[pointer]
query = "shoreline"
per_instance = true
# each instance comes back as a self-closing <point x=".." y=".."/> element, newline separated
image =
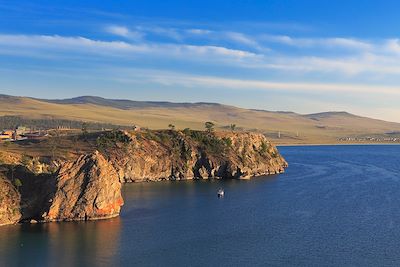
<point x="339" y="144"/>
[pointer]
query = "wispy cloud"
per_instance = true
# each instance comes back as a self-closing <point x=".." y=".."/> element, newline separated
<point x="134" y="76"/>
<point x="124" y="32"/>
<point x="268" y="26"/>
<point x="199" y="31"/>
<point x="366" y="59"/>
<point x="172" y="33"/>
<point x="181" y="35"/>
<point x="57" y="44"/>
<point x="335" y="42"/>
<point x="188" y="80"/>
<point x="255" y="42"/>
<point x="241" y="38"/>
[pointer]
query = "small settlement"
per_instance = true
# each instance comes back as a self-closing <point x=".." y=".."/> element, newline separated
<point x="21" y="133"/>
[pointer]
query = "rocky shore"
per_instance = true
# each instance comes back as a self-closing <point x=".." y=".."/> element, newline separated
<point x="88" y="186"/>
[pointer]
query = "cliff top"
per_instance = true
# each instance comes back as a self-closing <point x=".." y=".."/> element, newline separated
<point x="71" y="146"/>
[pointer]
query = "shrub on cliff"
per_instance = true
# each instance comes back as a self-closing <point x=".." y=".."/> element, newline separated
<point x="111" y="139"/>
<point x="228" y="141"/>
<point x="26" y="160"/>
<point x="209" y="142"/>
<point x="274" y="154"/>
<point x="209" y="126"/>
<point x="17" y="183"/>
<point x="186" y="131"/>
<point x="263" y="148"/>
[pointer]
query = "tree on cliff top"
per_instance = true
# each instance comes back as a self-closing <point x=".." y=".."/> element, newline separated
<point x="209" y="126"/>
<point x="84" y="130"/>
<point x="171" y="126"/>
<point x="186" y="131"/>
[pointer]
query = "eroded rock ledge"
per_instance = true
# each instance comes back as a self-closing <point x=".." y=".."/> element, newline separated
<point x="89" y="187"/>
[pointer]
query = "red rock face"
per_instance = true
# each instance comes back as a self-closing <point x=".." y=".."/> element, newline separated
<point x="86" y="189"/>
<point x="9" y="203"/>
<point x="152" y="159"/>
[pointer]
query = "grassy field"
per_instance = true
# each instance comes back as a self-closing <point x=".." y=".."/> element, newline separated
<point x="291" y="127"/>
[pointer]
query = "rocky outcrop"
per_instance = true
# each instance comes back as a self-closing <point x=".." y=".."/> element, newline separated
<point x="89" y="186"/>
<point x="196" y="155"/>
<point x="86" y="189"/>
<point x="9" y="203"/>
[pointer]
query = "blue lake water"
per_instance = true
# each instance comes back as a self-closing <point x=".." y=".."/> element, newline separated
<point x="334" y="206"/>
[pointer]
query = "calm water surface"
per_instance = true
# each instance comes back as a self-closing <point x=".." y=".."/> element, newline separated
<point x="334" y="206"/>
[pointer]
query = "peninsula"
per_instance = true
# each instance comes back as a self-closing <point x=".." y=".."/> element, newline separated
<point x="79" y="177"/>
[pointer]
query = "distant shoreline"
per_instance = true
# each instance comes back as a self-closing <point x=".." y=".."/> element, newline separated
<point x="340" y="144"/>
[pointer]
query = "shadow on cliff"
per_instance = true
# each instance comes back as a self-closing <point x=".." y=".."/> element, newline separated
<point x="36" y="190"/>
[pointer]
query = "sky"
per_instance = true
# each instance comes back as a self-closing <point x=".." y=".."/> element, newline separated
<point x="304" y="56"/>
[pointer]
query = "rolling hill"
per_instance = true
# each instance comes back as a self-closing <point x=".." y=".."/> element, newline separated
<point x="292" y="128"/>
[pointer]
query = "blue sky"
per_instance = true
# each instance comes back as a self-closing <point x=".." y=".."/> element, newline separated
<point x="304" y="56"/>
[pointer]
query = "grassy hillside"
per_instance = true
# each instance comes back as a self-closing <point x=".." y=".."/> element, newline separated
<point x="294" y="128"/>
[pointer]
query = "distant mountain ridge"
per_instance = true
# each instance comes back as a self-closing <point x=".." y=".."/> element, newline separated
<point x="123" y="103"/>
<point x="127" y="104"/>
<point x="280" y="126"/>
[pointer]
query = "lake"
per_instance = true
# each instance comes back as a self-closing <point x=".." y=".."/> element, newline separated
<point x="334" y="206"/>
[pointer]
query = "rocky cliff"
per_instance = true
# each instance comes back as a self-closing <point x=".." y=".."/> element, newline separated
<point x="9" y="203"/>
<point x="88" y="187"/>
<point x="195" y="155"/>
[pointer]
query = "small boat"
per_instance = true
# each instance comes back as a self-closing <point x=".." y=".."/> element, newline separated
<point x="220" y="193"/>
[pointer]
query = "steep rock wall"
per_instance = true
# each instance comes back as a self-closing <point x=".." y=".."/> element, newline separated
<point x="9" y="203"/>
<point x="86" y="189"/>
<point x="175" y="156"/>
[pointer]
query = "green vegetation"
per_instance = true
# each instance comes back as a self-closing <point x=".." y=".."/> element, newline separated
<point x="17" y="182"/>
<point x="232" y="127"/>
<point x="186" y="131"/>
<point x="227" y="141"/>
<point x="263" y="148"/>
<point x="209" y="126"/>
<point x="162" y="137"/>
<point x="111" y="139"/>
<point x="171" y="126"/>
<point x="206" y="141"/>
<point x="209" y="142"/>
<point x="274" y="154"/>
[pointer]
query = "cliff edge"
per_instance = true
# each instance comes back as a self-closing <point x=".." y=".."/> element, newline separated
<point x="174" y="155"/>
<point x="88" y="186"/>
